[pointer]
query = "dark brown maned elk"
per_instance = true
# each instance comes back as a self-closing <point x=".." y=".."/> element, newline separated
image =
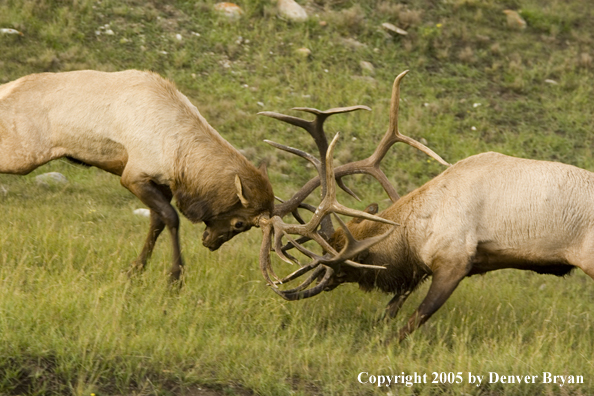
<point x="487" y="212"/>
<point x="135" y="125"/>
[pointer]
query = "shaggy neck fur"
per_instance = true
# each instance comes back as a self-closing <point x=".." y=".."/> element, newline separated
<point x="404" y="269"/>
<point x="204" y="184"/>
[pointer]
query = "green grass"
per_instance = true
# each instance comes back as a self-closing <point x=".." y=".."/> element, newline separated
<point x="72" y="323"/>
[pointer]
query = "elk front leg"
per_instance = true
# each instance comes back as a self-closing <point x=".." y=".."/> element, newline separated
<point x="157" y="198"/>
<point x="395" y="304"/>
<point x="445" y="280"/>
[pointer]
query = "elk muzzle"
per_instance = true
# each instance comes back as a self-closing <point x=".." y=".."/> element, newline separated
<point x="213" y="240"/>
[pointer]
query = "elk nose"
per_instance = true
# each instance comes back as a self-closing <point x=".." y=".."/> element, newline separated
<point x="205" y="235"/>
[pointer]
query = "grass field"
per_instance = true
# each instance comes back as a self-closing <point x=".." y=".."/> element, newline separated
<point x="72" y="323"/>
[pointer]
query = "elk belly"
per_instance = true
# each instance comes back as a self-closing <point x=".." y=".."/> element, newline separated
<point x="490" y="256"/>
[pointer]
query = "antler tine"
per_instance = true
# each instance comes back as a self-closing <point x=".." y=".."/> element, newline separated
<point x="265" y="265"/>
<point x="316" y="129"/>
<point x="330" y="204"/>
<point x="346" y="189"/>
<point x="336" y="110"/>
<point x="300" y="122"/>
<point x="309" y="292"/>
<point x="393" y="135"/>
<point x="353" y="247"/>
<point x="317" y="271"/>
<point x="303" y="154"/>
<point x="303" y="270"/>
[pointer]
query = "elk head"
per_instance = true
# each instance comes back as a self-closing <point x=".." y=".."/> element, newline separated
<point x="327" y="266"/>
<point x="253" y="196"/>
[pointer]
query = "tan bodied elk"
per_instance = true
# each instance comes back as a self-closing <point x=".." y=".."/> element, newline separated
<point x="487" y="212"/>
<point x="136" y="125"/>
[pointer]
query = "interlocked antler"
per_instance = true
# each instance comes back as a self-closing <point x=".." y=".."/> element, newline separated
<point x="325" y="266"/>
<point x="330" y="261"/>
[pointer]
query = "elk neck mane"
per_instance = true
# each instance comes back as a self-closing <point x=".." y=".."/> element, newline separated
<point x="404" y="269"/>
<point x="205" y="170"/>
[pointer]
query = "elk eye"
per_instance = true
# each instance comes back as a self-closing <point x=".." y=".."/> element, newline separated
<point x="238" y="225"/>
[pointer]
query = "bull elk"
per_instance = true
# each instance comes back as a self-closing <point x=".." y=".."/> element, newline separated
<point x="487" y="212"/>
<point x="136" y="125"/>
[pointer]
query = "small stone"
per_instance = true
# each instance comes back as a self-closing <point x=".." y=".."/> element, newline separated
<point x="367" y="68"/>
<point x="229" y="10"/>
<point x="392" y="29"/>
<point x="291" y="10"/>
<point x="10" y="31"/>
<point x="366" y="79"/>
<point x="142" y="212"/>
<point x="303" y="52"/>
<point x="352" y="43"/>
<point x="51" y="179"/>
<point x="514" y="20"/>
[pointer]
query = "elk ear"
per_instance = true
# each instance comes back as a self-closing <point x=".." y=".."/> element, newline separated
<point x="371" y="209"/>
<point x="243" y="200"/>
<point x="263" y="168"/>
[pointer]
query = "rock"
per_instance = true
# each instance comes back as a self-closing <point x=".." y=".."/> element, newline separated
<point x="392" y="29"/>
<point x="352" y="43"/>
<point x="366" y="79"/>
<point x="367" y="68"/>
<point x="51" y="179"/>
<point x="303" y="52"/>
<point x="10" y="31"/>
<point x="514" y="20"/>
<point x="229" y="10"/>
<point x="290" y="10"/>
<point x="142" y="212"/>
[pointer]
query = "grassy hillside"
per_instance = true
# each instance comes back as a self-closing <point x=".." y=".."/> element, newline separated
<point x="72" y="323"/>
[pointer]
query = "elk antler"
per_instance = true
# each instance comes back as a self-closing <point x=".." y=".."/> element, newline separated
<point x="332" y="260"/>
<point x="325" y="266"/>
<point x="369" y="165"/>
